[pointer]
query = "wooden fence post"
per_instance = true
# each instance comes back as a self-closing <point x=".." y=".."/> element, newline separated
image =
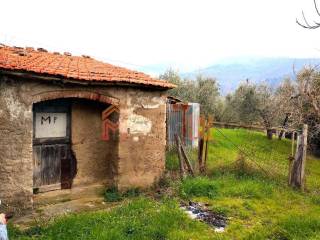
<point x="304" y="156"/>
<point x="297" y="178"/>
<point x="200" y="152"/>
<point x="291" y="158"/>
<point x="186" y="159"/>
<point x="204" y="144"/>
<point x="207" y="134"/>
<point x="181" y="164"/>
<point x="201" y="147"/>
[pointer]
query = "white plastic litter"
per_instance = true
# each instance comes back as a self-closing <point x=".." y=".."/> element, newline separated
<point x="219" y="230"/>
<point x="200" y="212"/>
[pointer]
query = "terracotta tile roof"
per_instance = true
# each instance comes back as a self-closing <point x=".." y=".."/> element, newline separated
<point x="65" y="65"/>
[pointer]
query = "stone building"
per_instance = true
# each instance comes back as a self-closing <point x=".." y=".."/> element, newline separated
<point x="68" y="121"/>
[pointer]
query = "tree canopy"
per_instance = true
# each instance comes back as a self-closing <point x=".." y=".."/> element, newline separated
<point x="292" y="103"/>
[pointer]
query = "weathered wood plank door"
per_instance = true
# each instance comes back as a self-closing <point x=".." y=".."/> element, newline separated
<point x="51" y="143"/>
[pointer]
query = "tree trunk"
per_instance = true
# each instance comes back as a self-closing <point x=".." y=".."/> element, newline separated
<point x="269" y="134"/>
<point x="284" y="125"/>
<point x="282" y="134"/>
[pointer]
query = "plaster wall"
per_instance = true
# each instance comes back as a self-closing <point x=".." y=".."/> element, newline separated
<point x="95" y="158"/>
<point x="135" y="159"/>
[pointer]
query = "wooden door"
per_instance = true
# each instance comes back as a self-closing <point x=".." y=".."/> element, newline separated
<point x="51" y="144"/>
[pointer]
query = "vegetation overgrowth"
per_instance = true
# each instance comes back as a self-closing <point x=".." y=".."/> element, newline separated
<point x="258" y="205"/>
<point x="288" y="104"/>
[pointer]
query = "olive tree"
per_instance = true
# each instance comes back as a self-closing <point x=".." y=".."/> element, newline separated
<point x="203" y="90"/>
<point x="252" y="103"/>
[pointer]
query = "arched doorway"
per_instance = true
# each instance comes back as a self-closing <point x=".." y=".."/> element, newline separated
<point x="68" y="142"/>
<point x="53" y="163"/>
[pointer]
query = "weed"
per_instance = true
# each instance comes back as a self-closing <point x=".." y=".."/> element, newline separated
<point x="132" y="192"/>
<point x="172" y="162"/>
<point x="138" y="219"/>
<point x="196" y="187"/>
<point x="315" y="199"/>
<point x="112" y="195"/>
<point x="301" y="226"/>
<point x="259" y="207"/>
<point x="164" y="182"/>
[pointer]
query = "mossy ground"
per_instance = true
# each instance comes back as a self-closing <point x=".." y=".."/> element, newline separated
<point x="258" y="203"/>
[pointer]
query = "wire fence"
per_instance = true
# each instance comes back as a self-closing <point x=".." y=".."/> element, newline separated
<point x="269" y="157"/>
<point x="250" y="152"/>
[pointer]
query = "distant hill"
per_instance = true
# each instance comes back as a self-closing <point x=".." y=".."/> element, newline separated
<point x="231" y="72"/>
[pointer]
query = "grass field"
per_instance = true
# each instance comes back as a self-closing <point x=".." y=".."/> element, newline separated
<point x="257" y="202"/>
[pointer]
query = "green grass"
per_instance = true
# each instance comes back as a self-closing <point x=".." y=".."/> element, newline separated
<point x="226" y="144"/>
<point x="138" y="219"/>
<point x="261" y="205"/>
<point x="258" y="203"/>
<point x="172" y="163"/>
<point x="258" y="207"/>
<point x="272" y="156"/>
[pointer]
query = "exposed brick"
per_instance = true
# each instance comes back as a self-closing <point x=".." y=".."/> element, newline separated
<point x="75" y="94"/>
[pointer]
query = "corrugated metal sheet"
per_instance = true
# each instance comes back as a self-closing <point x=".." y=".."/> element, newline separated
<point x="183" y="120"/>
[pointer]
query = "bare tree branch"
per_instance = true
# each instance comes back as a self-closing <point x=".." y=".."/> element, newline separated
<point x="316" y="7"/>
<point x="305" y="23"/>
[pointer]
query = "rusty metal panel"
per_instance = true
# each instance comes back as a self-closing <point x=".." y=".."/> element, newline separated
<point x="183" y="120"/>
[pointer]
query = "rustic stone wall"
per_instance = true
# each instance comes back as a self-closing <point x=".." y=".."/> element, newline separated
<point x="95" y="158"/>
<point x="142" y="139"/>
<point x="16" y="176"/>
<point x="137" y="160"/>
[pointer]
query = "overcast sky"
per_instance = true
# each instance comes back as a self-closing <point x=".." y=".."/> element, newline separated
<point x="186" y="35"/>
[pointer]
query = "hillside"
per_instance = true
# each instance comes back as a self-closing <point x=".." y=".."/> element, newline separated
<point x="231" y="72"/>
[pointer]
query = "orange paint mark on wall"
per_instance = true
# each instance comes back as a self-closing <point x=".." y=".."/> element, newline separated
<point x="110" y="122"/>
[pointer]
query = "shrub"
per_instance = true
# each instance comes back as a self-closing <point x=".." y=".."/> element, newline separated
<point x="133" y="192"/>
<point x="112" y="195"/>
